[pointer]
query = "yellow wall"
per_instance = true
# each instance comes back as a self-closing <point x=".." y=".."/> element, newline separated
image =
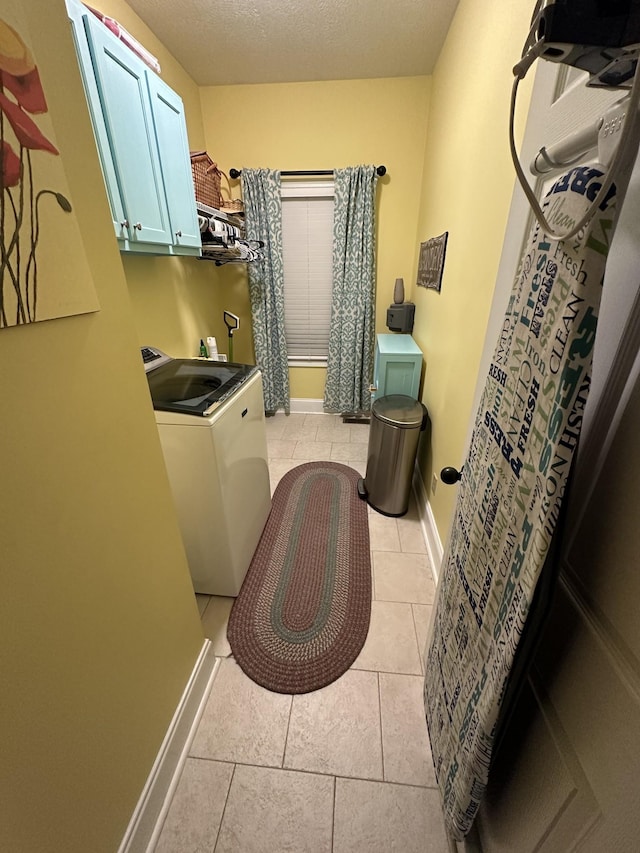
<point x="468" y="181"/>
<point x="324" y="126"/>
<point x="100" y="630"/>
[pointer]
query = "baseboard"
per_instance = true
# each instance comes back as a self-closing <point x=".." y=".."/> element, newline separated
<point x="432" y="539"/>
<point x="307" y="406"/>
<point x="147" y="819"/>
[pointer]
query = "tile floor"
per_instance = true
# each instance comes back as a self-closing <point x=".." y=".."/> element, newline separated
<point x="346" y="768"/>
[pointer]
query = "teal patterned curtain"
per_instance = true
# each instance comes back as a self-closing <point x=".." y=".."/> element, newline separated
<point x="351" y="335"/>
<point x="263" y="216"/>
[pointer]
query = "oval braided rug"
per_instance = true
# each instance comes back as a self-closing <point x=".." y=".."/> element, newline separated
<point x="303" y="611"/>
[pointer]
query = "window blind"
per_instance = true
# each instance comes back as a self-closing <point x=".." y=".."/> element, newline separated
<point x="307" y="245"/>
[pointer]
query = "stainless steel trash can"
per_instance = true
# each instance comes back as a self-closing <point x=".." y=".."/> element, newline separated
<point x="396" y="424"/>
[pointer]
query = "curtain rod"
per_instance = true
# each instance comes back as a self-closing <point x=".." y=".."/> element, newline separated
<point x="235" y="173"/>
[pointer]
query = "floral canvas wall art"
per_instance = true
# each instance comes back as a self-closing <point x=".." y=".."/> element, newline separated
<point x="44" y="271"/>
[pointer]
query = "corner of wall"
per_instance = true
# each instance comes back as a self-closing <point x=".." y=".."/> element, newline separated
<point x="466" y="191"/>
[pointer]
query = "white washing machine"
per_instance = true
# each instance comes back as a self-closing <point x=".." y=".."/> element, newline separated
<point x="210" y="418"/>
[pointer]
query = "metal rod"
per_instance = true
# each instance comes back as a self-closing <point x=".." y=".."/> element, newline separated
<point x="235" y="173"/>
<point x="569" y="150"/>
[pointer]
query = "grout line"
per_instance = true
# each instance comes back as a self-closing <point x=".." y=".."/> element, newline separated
<point x="384" y="671"/>
<point x="415" y="631"/>
<point x="206" y="607"/>
<point x="381" y="724"/>
<point x="226" y="800"/>
<point x="215" y="760"/>
<point x="333" y="814"/>
<point x="239" y="763"/>
<point x="323" y="773"/>
<point x="286" y="737"/>
<point x="384" y="782"/>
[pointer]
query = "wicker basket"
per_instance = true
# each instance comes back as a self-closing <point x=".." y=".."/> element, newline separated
<point x="230" y="205"/>
<point x="206" y="179"/>
<point x="233" y="205"/>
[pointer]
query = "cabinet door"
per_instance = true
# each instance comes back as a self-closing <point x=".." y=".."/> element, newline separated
<point x="399" y="374"/>
<point x="77" y="13"/>
<point x="171" y="134"/>
<point x="397" y="368"/>
<point x="122" y="87"/>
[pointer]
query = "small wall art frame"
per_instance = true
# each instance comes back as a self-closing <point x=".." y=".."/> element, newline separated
<point x="431" y="262"/>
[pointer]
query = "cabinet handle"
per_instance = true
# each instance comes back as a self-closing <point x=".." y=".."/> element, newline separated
<point x="124" y="223"/>
<point x="138" y="226"/>
<point x="178" y="233"/>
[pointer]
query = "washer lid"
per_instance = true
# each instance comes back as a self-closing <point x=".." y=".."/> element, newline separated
<point x="192" y="386"/>
<point x="399" y="410"/>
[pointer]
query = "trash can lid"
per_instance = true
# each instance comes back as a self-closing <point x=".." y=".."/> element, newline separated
<point x="399" y="410"/>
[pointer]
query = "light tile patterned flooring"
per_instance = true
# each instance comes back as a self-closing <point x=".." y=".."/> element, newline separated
<point x="344" y="769"/>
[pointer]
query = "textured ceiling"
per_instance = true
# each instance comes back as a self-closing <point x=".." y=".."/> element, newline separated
<point x="221" y="42"/>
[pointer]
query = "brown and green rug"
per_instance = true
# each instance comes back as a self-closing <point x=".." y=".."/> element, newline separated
<point x="303" y="611"/>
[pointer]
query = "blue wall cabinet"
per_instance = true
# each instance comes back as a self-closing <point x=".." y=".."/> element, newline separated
<point x="142" y="141"/>
<point x="168" y="116"/>
<point x="77" y="13"/>
<point x="397" y="366"/>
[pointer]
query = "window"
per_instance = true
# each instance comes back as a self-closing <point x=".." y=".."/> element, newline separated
<point x="307" y="246"/>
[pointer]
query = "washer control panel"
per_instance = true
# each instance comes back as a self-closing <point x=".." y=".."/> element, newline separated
<point x="153" y="357"/>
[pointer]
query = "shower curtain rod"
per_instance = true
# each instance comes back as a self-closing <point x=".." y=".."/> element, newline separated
<point x="235" y="173"/>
